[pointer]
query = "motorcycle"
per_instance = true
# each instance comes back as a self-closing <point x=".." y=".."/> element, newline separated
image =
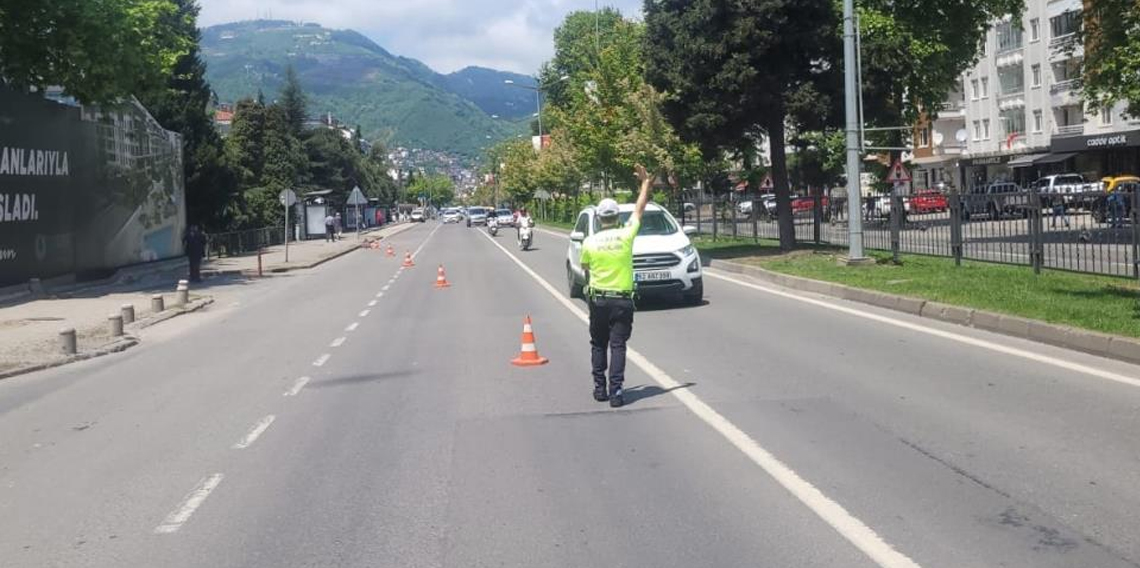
<point x="526" y="235"/>
<point x="493" y="227"/>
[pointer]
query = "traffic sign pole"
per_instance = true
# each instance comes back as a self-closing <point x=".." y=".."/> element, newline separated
<point x="288" y="199"/>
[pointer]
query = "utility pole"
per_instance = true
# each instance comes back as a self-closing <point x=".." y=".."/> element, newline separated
<point x="854" y="144"/>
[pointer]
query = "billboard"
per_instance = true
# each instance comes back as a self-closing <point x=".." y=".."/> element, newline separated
<point x="85" y="190"/>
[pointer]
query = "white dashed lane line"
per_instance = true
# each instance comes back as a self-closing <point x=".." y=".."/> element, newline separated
<point x="338" y="342"/>
<point x="372" y="303"/>
<point x="365" y="313"/>
<point x="255" y="433"/>
<point x="179" y="516"/>
<point x="322" y="360"/>
<point x="297" y="386"/>
<point x="352" y="326"/>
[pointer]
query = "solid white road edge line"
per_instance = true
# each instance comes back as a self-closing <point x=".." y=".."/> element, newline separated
<point x="255" y="433"/>
<point x="322" y="360"/>
<point x="338" y="342"/>
<point x="297" y="386"/>
<point x="179" y="516"/>
<point x="854" y="530"/>
<point x="965" y="339"/>
<point x="352" y="326"/>
<point x="972" y="341"/>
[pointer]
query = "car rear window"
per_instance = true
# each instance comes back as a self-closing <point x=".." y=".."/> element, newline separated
<point x="652" y="223"/>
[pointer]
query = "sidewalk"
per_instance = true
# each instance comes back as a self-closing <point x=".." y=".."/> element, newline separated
<point x="29" y="331"/>
<point x="302" y="254"/>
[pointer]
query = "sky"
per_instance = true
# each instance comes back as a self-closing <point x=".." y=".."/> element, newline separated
<point x="447" y="35"/>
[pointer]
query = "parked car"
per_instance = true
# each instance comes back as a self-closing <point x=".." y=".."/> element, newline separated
<point x="1071" y="187"/>
<point x="767" y="206"/>
<point x="419" y="215"/>
<point x="996" y="200"/>
<point x="805" y="206"/>
<point x="1124" y="186"/>
<point x="881" y="206"/>
<point x="476" y="216"/>
<point x="665" y="262"/>
<point x="929" y="201"/>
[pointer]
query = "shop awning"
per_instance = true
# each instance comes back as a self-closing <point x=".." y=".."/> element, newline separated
<point x="1054" y="158"/>
<point x="1025" y="160"/>
<point x="939" y="159"/>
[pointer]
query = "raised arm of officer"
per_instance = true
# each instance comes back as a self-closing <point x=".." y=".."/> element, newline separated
<point x="643" y="197"/>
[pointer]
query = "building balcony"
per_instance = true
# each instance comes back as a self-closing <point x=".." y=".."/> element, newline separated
<point x="1068" y="85"/>
<point x="1062" y="130"/>
<point x="1010" y="57"/>
<point x="1012" y="101"/>
<point x="1064" y="93"/>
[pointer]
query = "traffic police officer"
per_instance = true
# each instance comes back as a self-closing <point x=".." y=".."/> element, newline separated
<point x="607" y="258"/>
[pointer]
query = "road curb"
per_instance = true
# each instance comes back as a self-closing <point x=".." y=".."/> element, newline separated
<point x="284" y="269"/>
<point x="119" y="345"/>
<point x="1111" y="346"/>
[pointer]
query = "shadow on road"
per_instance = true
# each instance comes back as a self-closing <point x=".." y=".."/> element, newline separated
<point x="350" y="380"/>
<point x="642" y="392"/>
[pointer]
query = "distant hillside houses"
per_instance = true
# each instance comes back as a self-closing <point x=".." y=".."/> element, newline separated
<point x="224" y="119"/>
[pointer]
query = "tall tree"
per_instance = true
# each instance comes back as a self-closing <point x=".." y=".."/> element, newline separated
<point x="294" y="102"/>
<point x="246" y="142"/>
<point x="98" y="50"/>
<point x="729" y="69"/>
<point x="914" y="52"/>
<point x="285" y="163"/>
<point x="578" y="44"/>
<point x="1111" y="35"/>
<point x="183" y="106"/>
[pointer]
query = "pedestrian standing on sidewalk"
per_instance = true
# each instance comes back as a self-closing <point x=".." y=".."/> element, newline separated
<point x="339" y="227"/>
<point x="607" y="259"/>
<point x="330" y="228"/>
<point x="1059" y="208"/>
<point x="194" y="243"/>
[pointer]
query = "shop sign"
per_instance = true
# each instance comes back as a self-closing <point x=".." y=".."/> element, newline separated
<point x="1097" y="142"/>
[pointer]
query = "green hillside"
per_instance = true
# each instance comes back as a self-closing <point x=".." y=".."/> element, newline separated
<point x="397" y="100"/>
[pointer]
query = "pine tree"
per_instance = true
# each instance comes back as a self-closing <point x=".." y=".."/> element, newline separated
<point x="246" y="142"/>
<point x="294" y="102"/>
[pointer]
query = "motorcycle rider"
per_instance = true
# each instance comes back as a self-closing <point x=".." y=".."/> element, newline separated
<point x="522" y="219"/>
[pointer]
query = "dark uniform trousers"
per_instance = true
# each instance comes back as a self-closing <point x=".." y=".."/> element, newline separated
<point x="611" y="324"/>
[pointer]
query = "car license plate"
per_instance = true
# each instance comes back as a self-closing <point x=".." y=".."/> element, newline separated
<point x="650" y="276"/>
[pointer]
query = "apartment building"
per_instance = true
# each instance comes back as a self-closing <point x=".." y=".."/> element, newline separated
<point x="1018" y="114"/>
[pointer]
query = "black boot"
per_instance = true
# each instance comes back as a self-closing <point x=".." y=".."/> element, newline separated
<point x="600" y="394"/>
<point x="616" y="399"/>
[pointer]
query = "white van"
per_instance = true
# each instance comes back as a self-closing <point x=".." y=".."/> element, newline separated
<point x="665" y="262"/>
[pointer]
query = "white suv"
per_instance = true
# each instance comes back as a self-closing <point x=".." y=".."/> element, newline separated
<point x="664" y="260"/>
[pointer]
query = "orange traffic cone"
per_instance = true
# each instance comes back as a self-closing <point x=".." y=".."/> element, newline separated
<point x="391" y="251"/>
<point x="529" y="356"/>
<point x="441" y="279"/>
<point x="408" y="260"/>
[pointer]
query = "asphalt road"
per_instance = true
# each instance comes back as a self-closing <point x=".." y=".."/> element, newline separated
<point x="356" y="416"/>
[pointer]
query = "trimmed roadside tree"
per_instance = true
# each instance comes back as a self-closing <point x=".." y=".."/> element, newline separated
<point x="729" y="68"/>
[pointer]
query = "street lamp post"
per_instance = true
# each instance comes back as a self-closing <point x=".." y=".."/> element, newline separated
<point x="538" y="89"/>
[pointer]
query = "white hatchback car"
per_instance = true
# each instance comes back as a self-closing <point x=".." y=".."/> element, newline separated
<point x="665" y="262"/>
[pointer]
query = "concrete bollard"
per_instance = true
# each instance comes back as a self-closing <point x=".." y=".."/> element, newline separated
<point x="128" y="312"/>
<point x="182" y="293"/>
<point x="116" y="323"/>
<point x="156" y="304"/>
<point x="67" y="341"/>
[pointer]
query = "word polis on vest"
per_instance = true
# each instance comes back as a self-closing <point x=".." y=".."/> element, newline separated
<point x="27" y="163"/>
